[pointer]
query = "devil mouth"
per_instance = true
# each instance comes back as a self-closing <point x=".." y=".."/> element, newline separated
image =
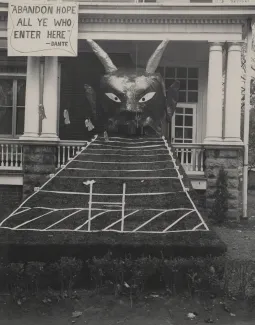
<point x="127" y="118"/>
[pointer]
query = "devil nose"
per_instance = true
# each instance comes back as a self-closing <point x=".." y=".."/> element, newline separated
<point x="129" y="115"/>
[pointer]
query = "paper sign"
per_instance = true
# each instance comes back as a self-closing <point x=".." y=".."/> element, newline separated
<point x="42" y="28"/>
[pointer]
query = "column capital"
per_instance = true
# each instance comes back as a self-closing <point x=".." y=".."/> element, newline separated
<point x="216" y="46"/>
<point x="234" y="46"/>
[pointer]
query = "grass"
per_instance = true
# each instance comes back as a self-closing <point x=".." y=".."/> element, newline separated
<point x="240" y="237"/>
<point x="151" y="309"/>
<point x="67" y="190"/>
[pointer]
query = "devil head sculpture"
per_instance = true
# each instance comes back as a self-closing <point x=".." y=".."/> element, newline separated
<point x="133" y="97"/>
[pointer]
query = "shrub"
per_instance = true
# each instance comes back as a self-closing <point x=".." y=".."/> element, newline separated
<point x="220" y="206"/>
<point x="127" y="276"/>
<point x="67" y="269"/>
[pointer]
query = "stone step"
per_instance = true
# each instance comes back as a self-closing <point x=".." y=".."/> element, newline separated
<point x="123" y="157"/>
<point x="135" y="220"/>
<point x="60" y="183"/>
<point x="79" y="200"/>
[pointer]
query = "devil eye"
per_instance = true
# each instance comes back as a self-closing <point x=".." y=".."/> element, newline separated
<point x="147" y="97"/>
<point x="113" y="97"/>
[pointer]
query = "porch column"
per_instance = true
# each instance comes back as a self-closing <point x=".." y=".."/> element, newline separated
<point x="214" y="94"/>
<point x="31" y="124"/>
<point x="232" y="117"/>
<point x="50" y="99"/>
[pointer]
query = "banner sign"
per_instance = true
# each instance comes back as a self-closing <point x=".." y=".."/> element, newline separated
<point x="42" y="28"/>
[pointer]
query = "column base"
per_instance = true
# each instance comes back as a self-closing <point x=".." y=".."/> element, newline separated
<point x="213" y="140"/>
<point x="48" y="137"/>
<point x="233" y="141"/>
<point x="29" y="136"/>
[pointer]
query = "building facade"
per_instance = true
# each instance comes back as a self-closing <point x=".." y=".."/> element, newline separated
<point x="206" y="39"/>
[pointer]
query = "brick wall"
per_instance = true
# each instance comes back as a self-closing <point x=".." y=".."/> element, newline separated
<point x="10" y="198"/>
<point x="39" y="163"/>
<point x="230" y="160"/>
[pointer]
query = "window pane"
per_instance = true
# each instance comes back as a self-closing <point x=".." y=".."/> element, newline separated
<point x="189" y="110"/>
<point x="169" y="82"/>
<point x="182" y="96"/>
<point x="188" y="120"/>
<point x="193" y="84"/>
<point x="179" y="110"/>
<point x="5" y="120"/>
<point x="183" y="84"/>
<point x="179" y="120"/>
<point x="181" y="72"/>
<point x="21" y="91"/>
<point x="193" y="72"/>
<point x="192" y="97"/>
<point x="6" y="89"/>
<point x="179" y="133"/>
<point x="188" y="133"/>
<point x="20" y="120"/>
<point x="170" y="72"/>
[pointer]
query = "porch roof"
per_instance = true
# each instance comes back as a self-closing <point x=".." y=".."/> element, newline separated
<point x="162" y="8"/>
<point x="166" y="8"/>
<point x="129" y="20"/>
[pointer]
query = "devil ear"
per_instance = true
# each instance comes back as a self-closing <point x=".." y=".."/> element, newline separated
<point x="172" y="98"/>
<point x="91" y="96"/>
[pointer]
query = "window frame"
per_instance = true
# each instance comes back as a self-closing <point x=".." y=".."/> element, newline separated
<point x="194" y="125"/>
<point x="14" y="77"/>
<point x="187" y="90"/>
<point x="170" y="128"/>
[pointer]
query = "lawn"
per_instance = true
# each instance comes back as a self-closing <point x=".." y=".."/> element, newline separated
<point x="154" y="308"/>
<point x="240" y="237"/>
<point x="151" y="309"/>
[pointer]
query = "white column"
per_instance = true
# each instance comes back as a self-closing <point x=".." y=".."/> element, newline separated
<point x="50" y="99"/>
<point x="31" y="125"/>
<point x="232" y="117"/>
<point x="214" y="95"/>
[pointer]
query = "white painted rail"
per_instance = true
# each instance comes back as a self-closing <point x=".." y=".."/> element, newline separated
<point x="191" y="156"/>
<point x="11" y="155"/>
<point x="67" y="149"/>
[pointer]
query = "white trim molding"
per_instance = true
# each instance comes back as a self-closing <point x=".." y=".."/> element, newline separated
<point x="102" y="19"/>
<point x="10" y="179"/>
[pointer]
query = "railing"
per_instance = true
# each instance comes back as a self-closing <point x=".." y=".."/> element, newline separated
<point x="11" y="155"/>
<point x="191" y="156"/>
<point x="67" y="149"/>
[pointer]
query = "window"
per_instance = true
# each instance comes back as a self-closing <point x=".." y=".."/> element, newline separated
<point x="184" y="123"/>
<point x="12" y="105"/>
<point x="188" y="78"/>
<point x="182" y="129"/>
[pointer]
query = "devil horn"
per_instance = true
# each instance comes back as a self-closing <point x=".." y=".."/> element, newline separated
<point x="102" y="56"/>
<point x="156" y="57"/>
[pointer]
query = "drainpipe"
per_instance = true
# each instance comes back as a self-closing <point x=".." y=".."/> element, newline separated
<point x="247" y="118"/>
